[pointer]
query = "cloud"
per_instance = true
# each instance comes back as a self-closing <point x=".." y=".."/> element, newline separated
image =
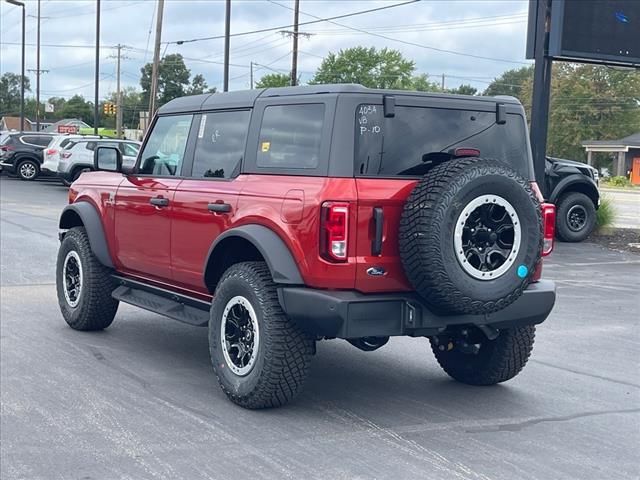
<point x="500" y="33"/>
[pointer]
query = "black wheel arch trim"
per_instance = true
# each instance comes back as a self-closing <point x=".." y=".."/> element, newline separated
<point x="589" y="188"/>
<point x="273" y="249"/>
<point x="90" y="219"/>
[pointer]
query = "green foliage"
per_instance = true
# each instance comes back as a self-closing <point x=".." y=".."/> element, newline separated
<point x="605" y="215"/>
<point x="10" y="93"/>
<point x="511" y="82"/>
<point x="464" y="90"/>
<point x="131" y="106"/>
<point x="173" y="79"/>
<point x="367" y="66"/>
<point x="589" y="102"/>
<point x="618" y="181"/>
<point x="199" y="86"/>
<point x="274" y="80"/>
<point x="421" y="83"/>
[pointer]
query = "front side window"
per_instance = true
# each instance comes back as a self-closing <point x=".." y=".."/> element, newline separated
<point x="220" y="144"/>
<point x="164" y="152"/>
<point x="290" y="136"/>
<point x="416" y="137"/>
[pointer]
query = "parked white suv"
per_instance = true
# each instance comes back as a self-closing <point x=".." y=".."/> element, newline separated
<point x="51" y="155"/>
<point x="77" y="156"/>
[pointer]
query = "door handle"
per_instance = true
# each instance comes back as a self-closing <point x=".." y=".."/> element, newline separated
<point x="219" y="207"/>
<point x="159" y="201"/>
<point x="378" y="222"/>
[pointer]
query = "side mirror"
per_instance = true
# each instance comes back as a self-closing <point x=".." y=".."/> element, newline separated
<point x="107" y="159"/>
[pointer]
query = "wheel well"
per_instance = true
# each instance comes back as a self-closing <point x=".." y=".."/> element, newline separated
<point x="28" y="159"/>
<point x="70" y="219"/>
<point x="584" y="188"/>
<point x="228" y="252"/>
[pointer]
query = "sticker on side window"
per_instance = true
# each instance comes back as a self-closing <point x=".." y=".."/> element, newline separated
<point x="203" y="122"/>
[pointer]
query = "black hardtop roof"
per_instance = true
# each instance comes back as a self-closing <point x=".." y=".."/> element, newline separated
<point x="246" y="98"/>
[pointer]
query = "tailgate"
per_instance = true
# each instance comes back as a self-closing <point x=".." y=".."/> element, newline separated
<point x="380" y="272"/>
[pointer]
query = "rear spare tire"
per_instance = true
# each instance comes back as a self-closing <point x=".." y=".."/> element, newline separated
<point x="471" y="236"/>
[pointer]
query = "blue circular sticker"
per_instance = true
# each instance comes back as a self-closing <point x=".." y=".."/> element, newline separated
<point x="523" y="271"/>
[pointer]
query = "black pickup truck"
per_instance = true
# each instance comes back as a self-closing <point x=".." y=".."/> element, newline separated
<point x="573" y="187"/>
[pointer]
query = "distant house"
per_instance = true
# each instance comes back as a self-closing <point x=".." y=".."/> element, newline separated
<point x="626" y="151"/>
<point x="13" y="123"/>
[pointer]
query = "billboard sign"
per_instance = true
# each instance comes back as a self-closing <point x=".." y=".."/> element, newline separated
<point x="67" y="129"/>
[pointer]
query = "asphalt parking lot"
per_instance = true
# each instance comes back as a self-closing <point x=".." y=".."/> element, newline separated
<point x="140" y="401"/>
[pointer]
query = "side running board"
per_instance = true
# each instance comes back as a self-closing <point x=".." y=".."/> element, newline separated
<point x="165" y="302"/>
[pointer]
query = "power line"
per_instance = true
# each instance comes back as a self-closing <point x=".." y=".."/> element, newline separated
<point x="283" y="27"/>
<point x="427" y="47"/>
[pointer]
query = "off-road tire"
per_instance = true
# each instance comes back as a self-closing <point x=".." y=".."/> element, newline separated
<point x="426" y="236"/>
<point x="497" y="360"/>
<point x="96" y="307"/>
<point x="28" y="163"/>
<point x="284" y="351"/>
<point x="566" y="202"/>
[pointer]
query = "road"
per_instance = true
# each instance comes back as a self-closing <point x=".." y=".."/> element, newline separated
<point x="140" y="401"/>
<point x="626" y="204"/>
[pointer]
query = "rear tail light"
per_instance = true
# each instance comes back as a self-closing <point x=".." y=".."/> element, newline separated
<point x="334" y="231"/>
<point x="549" y="222"/>
<point x="7" y="148"/>
<point x="52" y="151"/>
<point x="65" y="154"/>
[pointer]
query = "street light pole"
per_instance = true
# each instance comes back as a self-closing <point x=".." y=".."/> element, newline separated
<point x="227" y="28"/>
<point x="21" y="4"/>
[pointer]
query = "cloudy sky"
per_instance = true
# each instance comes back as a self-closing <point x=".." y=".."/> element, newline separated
<point x="487" y="37"/>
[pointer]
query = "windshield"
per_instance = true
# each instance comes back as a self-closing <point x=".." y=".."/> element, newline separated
<point x="407" y="143"/>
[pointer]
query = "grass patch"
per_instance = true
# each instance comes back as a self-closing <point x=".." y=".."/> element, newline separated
<point x="606" y="214"/>
<point x="619" y="181"/>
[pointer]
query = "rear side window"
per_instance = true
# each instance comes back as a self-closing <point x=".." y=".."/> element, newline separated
<point x="408" y="143"/>
<point x="290" y="136"/>
<point x="37" y="140"/>
<point x="220" y="144"/>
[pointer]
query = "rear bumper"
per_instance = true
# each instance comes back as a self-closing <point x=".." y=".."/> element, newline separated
<point x="349" y="314"/>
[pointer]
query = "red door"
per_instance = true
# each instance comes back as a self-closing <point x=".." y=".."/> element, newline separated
<point x="142" y="226"/>
<point x="202" y="210"/>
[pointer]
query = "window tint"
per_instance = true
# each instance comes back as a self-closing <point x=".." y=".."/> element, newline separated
<point x="37" y="140"/>
<point x="164" y="152"/>
<point x="220" y="144"/>
<point x="65" y="142"/>
<point x="409" y="142"/>
<point x="290" y="136"/>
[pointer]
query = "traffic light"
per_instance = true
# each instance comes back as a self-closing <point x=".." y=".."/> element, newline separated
<point x="109" y="109"/>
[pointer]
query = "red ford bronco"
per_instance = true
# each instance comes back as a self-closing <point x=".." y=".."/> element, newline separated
<point x="284" y="216"/>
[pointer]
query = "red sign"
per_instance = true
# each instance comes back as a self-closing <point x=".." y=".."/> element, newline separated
<point x="67" y="129"/>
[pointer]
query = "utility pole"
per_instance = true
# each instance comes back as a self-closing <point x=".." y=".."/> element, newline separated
<point x="156" y="62"/>
<point x="251" y="75"/>
<point x="118" y="96"/>
<point x="96" y="92"/>
<point x="294" y="60"/>
<point x="227" y="29"/>
<point x="22" y="79"/>
<point x="442" y="84"/>
<point x="38" y="73"/>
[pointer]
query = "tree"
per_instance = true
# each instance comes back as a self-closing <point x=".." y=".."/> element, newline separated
<point x="274" y="80"/>
<point x="511" y="82"/>
<point x="199" y="86"/>
<point x="78" y="107"/>
<point x="367" y="66"/>
<point x="173" y="79"/>
<point x="10" y="92"/>
<point x="131" y="105"/>
<point x="421" y="83"/>
<point x="464" y="90"/>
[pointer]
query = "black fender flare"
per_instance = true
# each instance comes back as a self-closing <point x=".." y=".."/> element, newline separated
<point x="589" y="187"/>
<point x="90" y="219"/>
<point x="279" y="259"/>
